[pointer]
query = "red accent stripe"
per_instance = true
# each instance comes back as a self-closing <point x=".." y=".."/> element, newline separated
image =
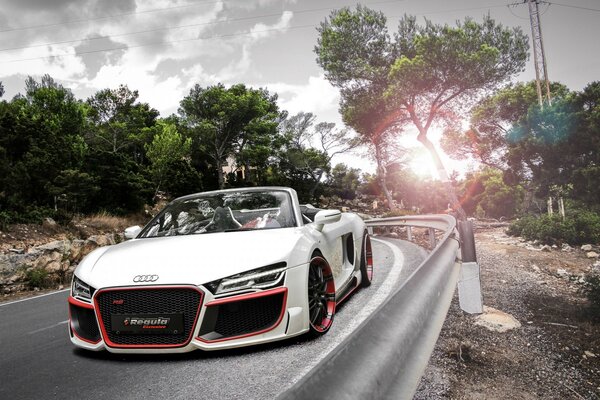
<point x="145" y="346"/>
<point x="337" y="303"/>
<point x="79" y="303"/>
<point x="250" y="296"/>
<point x="331" y="305"/>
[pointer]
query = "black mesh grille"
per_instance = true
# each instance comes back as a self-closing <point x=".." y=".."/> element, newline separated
<point x="150" y="301"/>
<point x="84" y="323"/>
<point x="241" y="317"/>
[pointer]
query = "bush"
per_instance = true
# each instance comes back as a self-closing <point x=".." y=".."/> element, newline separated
<point x="579" y="228"/>
<point x="591" y="288"/>
<point x="36" y="277"/>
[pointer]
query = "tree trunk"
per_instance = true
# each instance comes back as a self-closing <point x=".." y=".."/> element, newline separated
<point x="381" y="177"/>
<point x="247" y="172"/>
<point x="314" y="187"/>
<point x="443" y="175"/>
<point x="219" y="167"/>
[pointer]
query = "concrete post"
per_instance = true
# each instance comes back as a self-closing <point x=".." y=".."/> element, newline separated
<point x="469" y="283"/>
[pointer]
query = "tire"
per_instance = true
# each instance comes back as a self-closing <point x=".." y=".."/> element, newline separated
<point x="321" y="296"/>
<point x="366" y="262"/>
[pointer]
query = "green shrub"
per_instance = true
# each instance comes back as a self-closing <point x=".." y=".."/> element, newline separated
<point x="37" y="277"/>
<point x="578" y="228"/>
<point x="591" y="288"/>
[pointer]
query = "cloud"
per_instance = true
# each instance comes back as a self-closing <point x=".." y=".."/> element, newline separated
<point x="260" y="30"/>
<point x="316" y="96"/>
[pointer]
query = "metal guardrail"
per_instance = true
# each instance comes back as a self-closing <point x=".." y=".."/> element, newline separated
<point x="387" y="354"/>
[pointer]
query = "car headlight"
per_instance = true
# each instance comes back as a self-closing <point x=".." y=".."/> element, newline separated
<point x="260" y="278"/>
<point x="81" y="289"/>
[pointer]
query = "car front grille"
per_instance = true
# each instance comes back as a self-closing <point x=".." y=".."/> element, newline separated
<point x="149" y="300"/>
<point x="242" y="317"/>
<point x="83" y="322"/>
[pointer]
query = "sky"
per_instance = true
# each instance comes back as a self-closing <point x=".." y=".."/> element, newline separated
<point x="163" y="47"/>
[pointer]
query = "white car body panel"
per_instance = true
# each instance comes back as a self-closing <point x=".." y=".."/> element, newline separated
<point x="194" y="260"/>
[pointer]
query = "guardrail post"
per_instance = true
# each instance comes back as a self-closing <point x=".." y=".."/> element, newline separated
<point x="469" y="283"/>
<point x="370" y="230"/>
<point x="432" y="238"/>
<point x="409" y="233"/>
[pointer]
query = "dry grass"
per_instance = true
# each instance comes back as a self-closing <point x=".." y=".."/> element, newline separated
<point x="106" y="222"/>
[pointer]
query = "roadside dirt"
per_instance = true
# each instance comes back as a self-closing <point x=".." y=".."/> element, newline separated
<point x="555" y="354"/>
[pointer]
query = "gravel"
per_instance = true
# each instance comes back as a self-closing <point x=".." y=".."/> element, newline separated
<point x="544" y="358"/>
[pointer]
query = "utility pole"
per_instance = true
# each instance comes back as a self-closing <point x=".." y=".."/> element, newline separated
<point x="539" y="57"/>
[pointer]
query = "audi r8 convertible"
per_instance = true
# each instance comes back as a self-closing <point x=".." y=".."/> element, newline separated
<point x="217" y="270"/>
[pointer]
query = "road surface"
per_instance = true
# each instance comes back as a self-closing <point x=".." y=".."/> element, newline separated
<point x="37" y="359"/>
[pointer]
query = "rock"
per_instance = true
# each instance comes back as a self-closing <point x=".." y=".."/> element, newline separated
<point x="394" y="235"/>
<point x="535" y="268"/>
<point x="49" y="222"/>
<point x="562" y="273"/>
<point x="53" y="267"/>
<point x="592" y="254"/>
<point x="496" y="321"/>
<point x="554" y="246"/>
<point x="589" y="354"/>
<point x="57" y="245"/>
<point x="17" y="251"/>
<point x="566" y="247"/>
<point x="546" y="248"/>
<point x="586" y="247"/>
<point x="596" y="265"/>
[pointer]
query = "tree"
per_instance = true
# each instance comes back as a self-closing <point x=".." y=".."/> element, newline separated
<point x="428" y="75"/>
<point x="355" y="50"/>
<point x="119" y="122"/>
<point x="168" y="147"/>
<point x="223" y="120"/>
<point x="309" y="150"/>
<point x="492" y="121"/>
<point x="344" y="181"/>
<point x="41" y="136"/>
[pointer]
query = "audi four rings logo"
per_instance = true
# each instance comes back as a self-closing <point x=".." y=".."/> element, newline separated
<point x="145" y="278"/>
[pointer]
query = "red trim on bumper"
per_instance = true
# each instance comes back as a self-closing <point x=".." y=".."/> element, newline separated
<point x="250" y="296"/>
<point x="104" y="333"/>
<point x="82" y="304"/>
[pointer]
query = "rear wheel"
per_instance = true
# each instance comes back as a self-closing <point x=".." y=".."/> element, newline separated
<point x="366" y="262"/>
<point x="321" y="296"/>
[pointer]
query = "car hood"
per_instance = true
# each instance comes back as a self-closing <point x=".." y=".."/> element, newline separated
<point x="191" y="259"/>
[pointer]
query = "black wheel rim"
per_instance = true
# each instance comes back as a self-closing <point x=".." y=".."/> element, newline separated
<point x="321" y="297"/>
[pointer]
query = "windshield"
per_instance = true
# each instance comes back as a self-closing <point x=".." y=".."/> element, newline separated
<point x="223" y="212"/>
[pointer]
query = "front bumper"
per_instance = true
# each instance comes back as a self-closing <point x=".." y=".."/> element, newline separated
<point x="218" y="323"/>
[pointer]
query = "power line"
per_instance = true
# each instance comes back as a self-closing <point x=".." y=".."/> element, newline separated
<point x="159" y="43"/>
<point x="108" y="17"/>
<point x="572" y="6"/>
<point x="139" y="32"/>
<point x="456" y="10"/>
<point x="180" y="27"/>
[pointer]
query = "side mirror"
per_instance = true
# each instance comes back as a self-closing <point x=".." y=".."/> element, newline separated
<point x="132" y="232"/>
<point x="326" y="217"/>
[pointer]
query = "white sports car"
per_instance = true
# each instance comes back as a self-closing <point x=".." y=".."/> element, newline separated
<point x="218" y="270"/>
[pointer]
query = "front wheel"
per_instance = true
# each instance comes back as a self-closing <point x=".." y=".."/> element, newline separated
<point x="366" y="262"/>
<point x="321" y="296"/>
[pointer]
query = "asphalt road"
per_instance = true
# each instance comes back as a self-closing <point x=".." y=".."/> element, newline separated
<point x="37" y="360"/>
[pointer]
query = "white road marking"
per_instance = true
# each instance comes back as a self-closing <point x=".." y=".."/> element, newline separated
<point x="33" y="298"/>
<point x="48" y="327"/>
<point x="378" y="297"/>
<point x="381" y="294"/>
